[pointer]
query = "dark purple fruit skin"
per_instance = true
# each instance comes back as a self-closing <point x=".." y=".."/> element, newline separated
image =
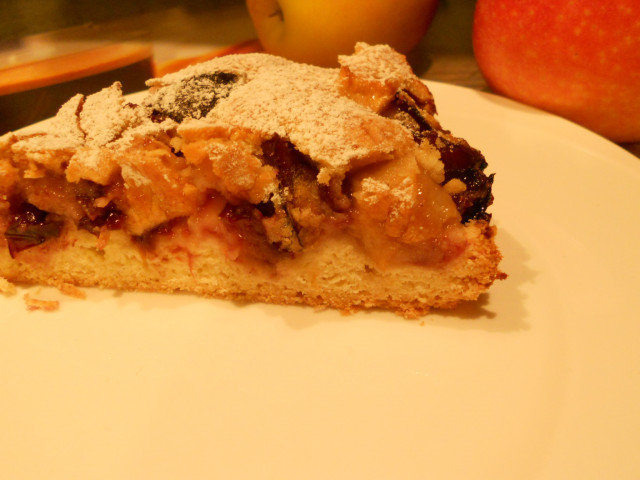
<point x="460" y="160"/>
<point x="467" y="164"/>
<point x="95" y="218"/>
<point x="110" y="217"/>
<point x="29" y="227"/>
<point x="288" y="161"/>
<point x="187" y="103"/>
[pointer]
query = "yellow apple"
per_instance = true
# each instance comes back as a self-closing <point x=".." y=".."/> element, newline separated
<point x="317" y="31"/>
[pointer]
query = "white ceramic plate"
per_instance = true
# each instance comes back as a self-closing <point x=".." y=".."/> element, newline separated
<point x="538" y="380"/>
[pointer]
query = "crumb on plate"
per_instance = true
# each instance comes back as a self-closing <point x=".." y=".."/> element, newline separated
<point x="39" y="304"/>
<point x="71" y="290"/>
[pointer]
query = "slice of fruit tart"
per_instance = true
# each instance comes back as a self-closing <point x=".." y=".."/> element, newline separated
<point x="254" y="178"/>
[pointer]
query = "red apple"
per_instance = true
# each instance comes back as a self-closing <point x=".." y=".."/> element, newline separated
<point x="577" y="58"/>
<point x="317" y="32"/>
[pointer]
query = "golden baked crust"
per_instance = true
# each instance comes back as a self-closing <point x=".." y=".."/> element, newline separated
<point x="255" y="178"/>
<point x="335" y="273"/>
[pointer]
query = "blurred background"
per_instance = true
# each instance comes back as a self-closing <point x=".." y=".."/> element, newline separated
<point x="51" y="49"/>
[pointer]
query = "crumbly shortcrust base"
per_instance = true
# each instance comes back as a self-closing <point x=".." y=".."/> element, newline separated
<point x="334" y="272"/>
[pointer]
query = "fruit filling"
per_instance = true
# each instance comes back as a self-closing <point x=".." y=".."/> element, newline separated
<point x="29" y="226"/>
<point x="401" y="185"/>
<point x="461" y="161"/>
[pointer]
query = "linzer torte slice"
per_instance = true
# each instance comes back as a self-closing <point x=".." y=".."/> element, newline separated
<point x="251" y="177"/>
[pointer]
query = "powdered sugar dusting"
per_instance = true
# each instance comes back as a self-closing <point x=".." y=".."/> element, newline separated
<point x="302" y="104"/>
<point x="65" y="124"/>
<point x="88" y="125"/>
<point x="60" y="133"/>
<point x="243" y="65"/>
<point x="378" y="62"/>
<point x="374" y="187"/>
<point x="102" y="118"/>
<point x="267" y="95"/>
<point x="131" y="175"/>
<point x="403" y="192"/>
<point x="192" y="97"/>
<point x="91" y="158"/>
